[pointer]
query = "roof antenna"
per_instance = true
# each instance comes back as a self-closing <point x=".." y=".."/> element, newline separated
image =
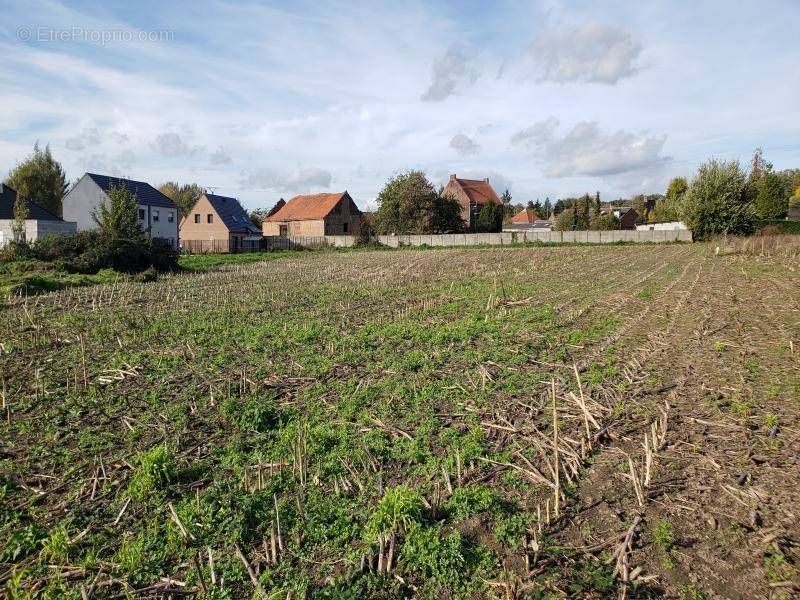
<point x="212" y="189"/>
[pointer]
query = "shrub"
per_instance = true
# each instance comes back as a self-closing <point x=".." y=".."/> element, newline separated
<point x="90" y="251"/>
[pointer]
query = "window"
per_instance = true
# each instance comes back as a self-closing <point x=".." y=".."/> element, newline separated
<point x="170" y="217"/>
<point x="197" y="218"/>
<point x="209" y="218"/>
<point x="344" y="227"/>
<point x="156" y="216"/>
<point x="141" y="214"/>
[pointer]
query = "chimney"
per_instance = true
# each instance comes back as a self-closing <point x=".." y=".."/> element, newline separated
<point x="453" y="177"/>
<point x="485" y="180"/>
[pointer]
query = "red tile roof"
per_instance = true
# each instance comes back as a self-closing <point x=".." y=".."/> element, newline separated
<point x="307" y="208"/>
<point x="525" y="216"/>
<point x="477" y="190"/>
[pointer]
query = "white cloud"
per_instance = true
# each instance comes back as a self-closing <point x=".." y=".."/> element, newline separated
<point x="585" y="150"/>
<point x="592" y="53"/>
<point x="171" y="144"/>
<point x="451" y="74"/>
<point x="88" y="137"/>
<point x="298" y="180"/>
<point x="464" y="145"/>
<point x="220" y="157"/>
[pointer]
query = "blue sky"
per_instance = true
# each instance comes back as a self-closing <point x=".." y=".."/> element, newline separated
<point x="266" y="100"/>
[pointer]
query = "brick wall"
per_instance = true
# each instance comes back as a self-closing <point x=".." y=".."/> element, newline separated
<point x="203" y="231"/>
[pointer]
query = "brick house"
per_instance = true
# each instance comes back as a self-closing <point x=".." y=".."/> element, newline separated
<point x="471" y="194"/>
<point x="38" y="224"/>
<point x="627" y="215"/>
<point x="158" y="215"/>
<point x="218" y="224"/>
<point x="315" y="215"/>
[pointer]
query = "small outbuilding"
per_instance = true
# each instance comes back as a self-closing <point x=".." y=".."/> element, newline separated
<point x="315" y="215"/>
<point x="662" y="226"/>
<point x="38" y="224"/>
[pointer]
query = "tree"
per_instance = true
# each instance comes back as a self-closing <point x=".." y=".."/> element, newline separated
<point x="548" y="208"/>
<point x="185" y="196"/>
<point x="409" y="203"/>
<point x="605" y="222"/>
<point x="565" y="221"/>
<point x="258" y="215"/>
<point x="490" y="217"/>
<point x="716" y="201"/>
<point x="40" y="179"/>
<point x="772" y="200"/>
<point x="505" y="199"/>
<point x="559" y="207"/>
<point x="20" y="216"/>
<point x="676" y="189"/>
<point x="119" y="218"/>
<point x="445" y="215"/>
<point x="597" y="203"/>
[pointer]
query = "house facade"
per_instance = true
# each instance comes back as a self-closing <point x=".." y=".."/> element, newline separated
<point x="471" y="194"/>
<point x="218" y="224"/>
<point x="158" y="215"/>
<point x="40" y="222"/>
<point x="315" y="215"/>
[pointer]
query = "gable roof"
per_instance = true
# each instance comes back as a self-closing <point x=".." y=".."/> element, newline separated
<point x="526" y="215"/>
<point x="145" y="193"/>
<point x="232" y="214"/>
<point x="8" y="197"/>
<point x="306" y="208"/>
<point x="477" y="190"/>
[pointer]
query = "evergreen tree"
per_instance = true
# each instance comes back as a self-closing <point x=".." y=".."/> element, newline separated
<point x="40" y="179"/>
<point x="597" y="203"/>
<point x="488" y="217"/>
<point x="548" y="208"/>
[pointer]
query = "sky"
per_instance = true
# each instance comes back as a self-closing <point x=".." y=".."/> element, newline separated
<point x="263" y="100"/>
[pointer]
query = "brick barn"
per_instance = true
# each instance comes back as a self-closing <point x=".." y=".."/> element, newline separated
<point x="471" y="194"/>
<point x="315" y="215"/>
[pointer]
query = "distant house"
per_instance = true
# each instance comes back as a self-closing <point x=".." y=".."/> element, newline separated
<point x="158" y="215"/>
<point x="471" y="194"/>
<point x="40" y="223"/>
<point x="315" y="215"/>
<point x="793" y="214"/>
<point x="218" y="224"/>
<point x="525" y="217"/>
<point x="627" y="215"/>
<point x="662" y="226"/>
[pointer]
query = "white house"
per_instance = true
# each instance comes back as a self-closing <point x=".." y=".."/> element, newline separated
<point x="40" y="222"/>
<point x="158" y="215"/>
<point x="662" y="226"/>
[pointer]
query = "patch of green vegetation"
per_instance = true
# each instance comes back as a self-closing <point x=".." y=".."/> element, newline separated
<point x="662" y="537"/>
<point x="155" y="470"/>
<point x="692" y="592"/>
<point x="398" y="510"/>
<point x="469" y="501"/>
<point x="204" y="262"/>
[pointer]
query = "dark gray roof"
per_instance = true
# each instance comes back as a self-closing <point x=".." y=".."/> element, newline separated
<point x="8" y="197"/>
<point x="232" y="214"/>
<point x="145" y="193"/>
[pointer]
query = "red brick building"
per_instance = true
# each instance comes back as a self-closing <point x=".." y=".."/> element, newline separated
<point x="471" y="194"/>
<point x="315" y="215"/>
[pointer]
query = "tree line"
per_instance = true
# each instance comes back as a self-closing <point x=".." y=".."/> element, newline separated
<point x="722" y="197"/>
